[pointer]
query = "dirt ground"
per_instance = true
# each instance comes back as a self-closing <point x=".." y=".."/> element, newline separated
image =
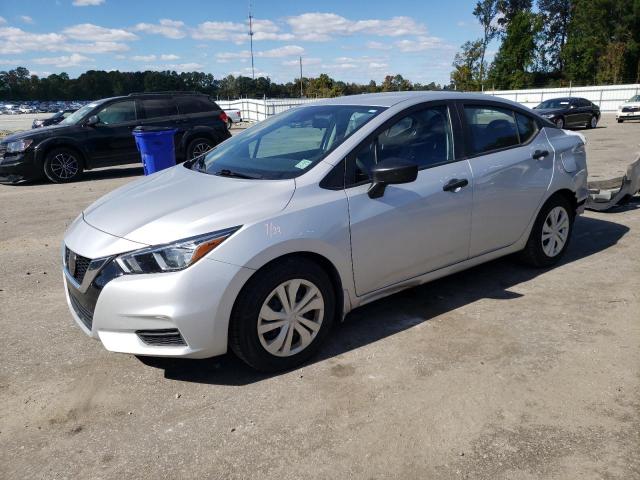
<point x="499" y="372"/>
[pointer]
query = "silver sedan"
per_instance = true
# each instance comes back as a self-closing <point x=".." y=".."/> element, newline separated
<point x="264" y="242"/>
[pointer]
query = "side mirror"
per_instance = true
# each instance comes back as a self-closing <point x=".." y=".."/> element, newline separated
<point x="389" y="172"/>
<point x="92" y="121"/>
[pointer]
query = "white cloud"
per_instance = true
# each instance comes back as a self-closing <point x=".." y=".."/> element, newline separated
<point x="11" y="61"/>
<point x="143" y="58"/>
<point x="306" y="62"/>
<point x="2" y="21"/>
<point x="377" y="65"/>
<point x="267" y="30"/>
<point x="166" y="27"/>
<point x="96" y="33"/>
<point x="420" y="44"/>
<point x="96" y="47"/>
<point x="169" y="57"/>
<point x="325" y="26"/>
<point x="87" y="3"/>
<point x="379" y="46"/>
<point x="239" y="32"/>
<point x="178" y="67"/>
<point x="26" y="19"/>
<point x="286" y="51"/>
<point x="72" y="60"/>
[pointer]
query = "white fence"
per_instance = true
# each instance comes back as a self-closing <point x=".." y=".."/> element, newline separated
<point x="607" y="97"/>
<point x="255" y="110"/>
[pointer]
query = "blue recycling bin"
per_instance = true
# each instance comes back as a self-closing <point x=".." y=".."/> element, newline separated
<point x="156" y="147"/>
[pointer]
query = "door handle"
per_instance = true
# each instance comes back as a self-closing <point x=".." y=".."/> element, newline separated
<point x="455" y="184"/>
<point x="539" y="154"/>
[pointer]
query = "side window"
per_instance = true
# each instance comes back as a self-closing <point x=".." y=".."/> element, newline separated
<point x="423" y="137"/>
<point x="159" y="107"/>
<point x="527" y="127"/>
<point x="195" y="104"/>
<point x="491" y="128"/>
<point x="119" y="112"/>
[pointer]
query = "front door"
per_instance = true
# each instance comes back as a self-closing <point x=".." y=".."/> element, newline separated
<point x="417" y="227"/>
<point x="111" y="140"/>
<point x="512" y="163"/>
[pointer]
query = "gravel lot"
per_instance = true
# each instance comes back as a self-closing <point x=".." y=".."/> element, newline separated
<point x="500" y="372"/>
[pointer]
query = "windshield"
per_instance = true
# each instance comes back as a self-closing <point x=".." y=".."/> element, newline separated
<point x="635" y="98"/>
<point x="288" y="144"/>
<point x="555" y="103"/>
<point x="78" y="115"/>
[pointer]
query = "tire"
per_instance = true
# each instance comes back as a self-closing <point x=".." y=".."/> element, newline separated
<point x="268" y="351"/>
<point x="559" y="122"/>
<point x="619" y="120"/>
<point x="593" y="122"/>
<point x="555" y="216"/>
<point x="198" y="146"/>
<point x="229" y="124"/>
<point x="63" y="165"/>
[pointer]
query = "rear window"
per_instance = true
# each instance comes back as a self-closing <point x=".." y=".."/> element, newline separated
<point x="195" y="104"/>
<point x="159" y="107"/>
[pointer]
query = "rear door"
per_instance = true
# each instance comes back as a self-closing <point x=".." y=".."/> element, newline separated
<point x="110" y="141"/>
<point x="512" y="164"/>
<point x="161" y="111"/>
<point x="417" y="227"/>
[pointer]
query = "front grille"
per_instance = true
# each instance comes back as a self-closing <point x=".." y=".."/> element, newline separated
<point x="83" y="312"/>
<point x="3" y="149"/>
<point x="81" y="265"/>
<point x="163" y="337"/>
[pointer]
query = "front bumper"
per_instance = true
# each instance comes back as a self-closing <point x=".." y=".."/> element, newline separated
<point x="16" y="167"/>
<point x="628" y="115"/>
<point x="196" y="302"/>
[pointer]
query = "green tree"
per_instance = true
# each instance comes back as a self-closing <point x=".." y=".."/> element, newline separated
<point x="467" y="65"/>
<point x="486" y="12"/>
<point x="556" y="17"/>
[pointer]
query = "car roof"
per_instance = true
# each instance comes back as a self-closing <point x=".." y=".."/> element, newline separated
<point x="389" y="99"/>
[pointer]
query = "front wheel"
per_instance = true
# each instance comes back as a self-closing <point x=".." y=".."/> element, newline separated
<point x="560" y="122"/>
<point x="593" y="123"/>
<point x="620" y="120"/>
<point x="62" y="165"/>
<point x="551" y="232"/>
<point x="282" y="316"/>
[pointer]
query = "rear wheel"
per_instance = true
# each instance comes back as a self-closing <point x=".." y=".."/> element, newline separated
<point x="620" y="120"/>
<point x="198" y="147"/>
<point x="559" y="122"/>
<point x="550" y="234"/>
<point x="282" y="316"/>
<point x="62" y="165"/>
<point x="229" y="123"/>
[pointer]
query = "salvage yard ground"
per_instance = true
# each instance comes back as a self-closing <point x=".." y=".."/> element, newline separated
<point x="499" y="372"/>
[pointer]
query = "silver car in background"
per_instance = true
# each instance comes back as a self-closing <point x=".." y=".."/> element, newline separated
<point x="265" y="241"/>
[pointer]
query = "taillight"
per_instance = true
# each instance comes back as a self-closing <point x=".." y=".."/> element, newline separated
<point x="223" y="117"/>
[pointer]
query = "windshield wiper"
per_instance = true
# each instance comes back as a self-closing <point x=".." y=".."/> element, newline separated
<point x="225" y="172"/>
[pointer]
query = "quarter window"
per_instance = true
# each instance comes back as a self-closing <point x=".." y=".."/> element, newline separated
<point x="423" y="137"/>
<point x="195" y="104"/>
<point x="119" y="112"/>
<point x="491" y="128"/>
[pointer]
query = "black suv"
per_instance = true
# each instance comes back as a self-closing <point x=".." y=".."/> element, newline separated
<point x="100" y="134"/>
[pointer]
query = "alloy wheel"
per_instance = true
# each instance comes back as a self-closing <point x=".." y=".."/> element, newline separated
<point x="290" y="317"/>
<point x="199" y="149"/>
<point x="555" y="231"/>
<point x="64" y="166"/>
<point x="594" y="122"/>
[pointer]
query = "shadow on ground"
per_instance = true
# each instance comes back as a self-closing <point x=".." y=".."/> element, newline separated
<point x="406" y="309"/>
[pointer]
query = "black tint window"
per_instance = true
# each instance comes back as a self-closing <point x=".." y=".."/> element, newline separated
<point x="526" y="127"/>
<point x="118" y="112"/>
<point x="491" y="128"/>
<point x="159" y="107"/>
<point x="195" y="104"/>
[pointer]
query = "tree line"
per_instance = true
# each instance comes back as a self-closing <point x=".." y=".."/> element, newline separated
<point x="557" y="43"/>
<point x="19" y="84"/>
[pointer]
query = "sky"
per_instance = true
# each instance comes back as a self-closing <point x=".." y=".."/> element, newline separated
<point x="353" y="41"/>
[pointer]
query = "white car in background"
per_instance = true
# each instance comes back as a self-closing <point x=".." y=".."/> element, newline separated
<point x="233" y="116"/>
<point x="630" y="110"/>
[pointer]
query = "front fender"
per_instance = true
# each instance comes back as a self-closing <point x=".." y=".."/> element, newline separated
<point x="43" y="147"/>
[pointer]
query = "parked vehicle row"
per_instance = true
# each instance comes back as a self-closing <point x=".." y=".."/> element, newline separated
<point x="40" y="107"/>
<point x="100" y="134"/>
<point x="570" y="112"/>
<point x="263" y="243"/>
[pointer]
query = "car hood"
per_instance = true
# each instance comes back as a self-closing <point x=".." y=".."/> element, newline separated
<point x="630" y="104"/>
<point x="61" y="129"/>
<point x="179" y="203"/>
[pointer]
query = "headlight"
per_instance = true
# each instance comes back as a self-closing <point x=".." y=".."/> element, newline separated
<point x="18" y="146"/>
<point x="173" y="256"/>
<point x="548" y="115"/>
